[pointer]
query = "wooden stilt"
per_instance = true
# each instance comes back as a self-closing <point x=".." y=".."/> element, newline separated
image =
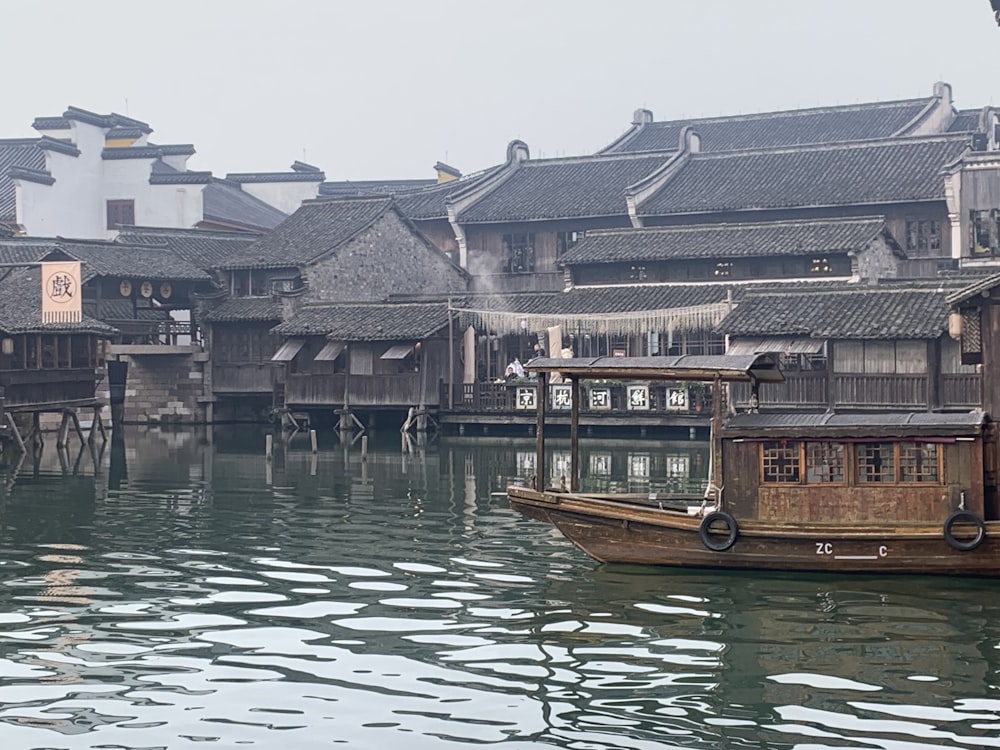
<point x="79" y="429"/>
<point x="62" y="436"/>
<point x="15" y="432"/>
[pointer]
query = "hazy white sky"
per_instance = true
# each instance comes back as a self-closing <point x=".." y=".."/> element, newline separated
<point x="384" y="89"/>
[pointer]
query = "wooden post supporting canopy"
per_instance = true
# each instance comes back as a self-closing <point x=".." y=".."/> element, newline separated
<point x="540" y="393"/>
<point x="574" y="436"/>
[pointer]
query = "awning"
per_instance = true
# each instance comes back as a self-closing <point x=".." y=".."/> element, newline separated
<point x="399" y="351"/>
<point x="288" y="350"/>
<point x="776" y="344"/>
<point x="331" y="351"/>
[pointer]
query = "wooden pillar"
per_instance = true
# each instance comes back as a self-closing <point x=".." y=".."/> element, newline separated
<point x="574" y="436"/>
<point x="541" y="391"/>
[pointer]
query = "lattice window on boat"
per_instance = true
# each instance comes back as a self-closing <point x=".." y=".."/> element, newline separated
<point x="780" y="462"/>
<point x="972" y="336"/>
<point x="876" y="462"/>
<point x="918" y="462"/>
<point x="824" y="462"/>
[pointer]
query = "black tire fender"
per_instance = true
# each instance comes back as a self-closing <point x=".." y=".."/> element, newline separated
<point x="964" y="517"/>
<point x="711" y="539"/>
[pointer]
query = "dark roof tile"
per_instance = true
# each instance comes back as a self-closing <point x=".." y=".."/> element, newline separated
<point x="771" y="129"/>
<point x="315" y="228"/>
<point x="563" y="188"/>
<point x="369" y="322"/>
<point x="724" y="241"/>
<point x="203" y="248"/>
<point x="246" y="309"/>
<point x="225" y="203"/>
<point x="861" y="312"/>
<point x="903" y="170"/>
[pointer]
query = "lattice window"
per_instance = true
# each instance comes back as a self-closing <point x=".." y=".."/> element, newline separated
<point x="824" y="462"/>
<point x="780" y="462"/>
<point x="972" y="336"/>
<point x="918" y="462"/>
<point x="876" y="463"/>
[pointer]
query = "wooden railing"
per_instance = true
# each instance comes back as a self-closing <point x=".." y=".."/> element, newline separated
<point x="809" y="390"/>
<point x="400" y="390"/>
<point x="880" y="391"/>
<point x="961" y="390"/>
<point x="172" y="332"/>
<point x="21" y="387"/>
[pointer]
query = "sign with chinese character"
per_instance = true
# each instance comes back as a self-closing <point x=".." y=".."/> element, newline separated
<point x="638" y="397"/>
<point x="562" y="397"/>
<point x="526" y="398"/>
<point x="61" y="296"/>
<point x="677" y="398"/>
<point x="600" y="399"/>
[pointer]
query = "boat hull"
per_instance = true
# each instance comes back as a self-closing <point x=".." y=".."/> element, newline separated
<point x="642" y="532"/>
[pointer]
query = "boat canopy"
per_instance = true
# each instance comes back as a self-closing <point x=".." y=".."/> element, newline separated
<point x="761" y="368"/>
<point x="855" y="425"/>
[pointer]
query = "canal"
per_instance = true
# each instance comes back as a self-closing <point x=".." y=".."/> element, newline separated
<point x="176" y="588"/>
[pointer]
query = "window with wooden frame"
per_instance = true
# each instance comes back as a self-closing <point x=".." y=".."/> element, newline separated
<point x="876" y="463"/>
<point x="824" y="463"/>
<point x="120" y="212"/>
<point x="919" y="462"/>
<point x="923" y="237"/>
<point x="519" y="253"/>
<point x="780" y="462"/>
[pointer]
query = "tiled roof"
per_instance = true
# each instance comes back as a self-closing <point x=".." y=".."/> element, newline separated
<point x="16" y="152"/>
<point x="902" y="170"/>
<point x="103" y="121"/>
<point x="148" y="151"/>
<point x="724" y="240"/>
<point x="771" y="129"/>
<point x="315" y="228"/>
<point x="371" y="322"/>
<point x="203" y="248"/>
<point x="432" y="202"/>
<point x="604" y="300"/>
<point x="115" y="259"/>
<point x="25" y="249"/>
<point x="856" y="424"/>
<point x="563" y="188"/>
<point x="860" y="312"/>
<point x="246" y="309"/>
<point x="226" y="203"/>
<point x="50" y="123"/>
<point x="360" y="188"/>
<point x="296" y="176"/>
<point x="21" y="307"/>
<point x="966" y="121"/>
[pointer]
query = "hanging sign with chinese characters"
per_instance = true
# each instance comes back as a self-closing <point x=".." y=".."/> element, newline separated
<point x="61" y="297"/>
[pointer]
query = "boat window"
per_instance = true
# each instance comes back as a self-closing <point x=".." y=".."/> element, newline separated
<point x="876" y="462"/>
<point x="780" y="461"/>
<point x="918" y="462"/>
<point x="824" y="462"/>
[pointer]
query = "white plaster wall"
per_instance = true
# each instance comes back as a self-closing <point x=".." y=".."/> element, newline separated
<point x="284" y="196"/>
<point x="72" y="206"/>
<point x="174" y="206"/>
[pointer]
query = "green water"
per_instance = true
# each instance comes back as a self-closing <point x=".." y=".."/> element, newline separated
<point x="176" y="588"/>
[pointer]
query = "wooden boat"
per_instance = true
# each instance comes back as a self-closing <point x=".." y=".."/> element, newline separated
<point x="865" y="493"/>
